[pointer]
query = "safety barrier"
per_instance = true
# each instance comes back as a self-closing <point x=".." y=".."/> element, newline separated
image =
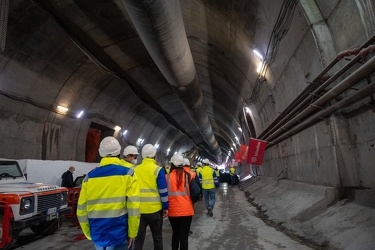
<point x="73" y="195"/>
<point x="5" y="217"/>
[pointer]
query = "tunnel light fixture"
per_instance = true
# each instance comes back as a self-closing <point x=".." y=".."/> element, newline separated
<point x="240" y="129"/>
<point x="258" y="54"/>
<point x="62" y="109"/>
<point x="80" y="114"/>
<point x="168" y="150"/>
<point x="248" y="110"/>
<point x="231" y="148"/>
<point x="175" y="152"/>
<point x="140" y="141"/>
<point x="156" y="145"/>
<point x="117" y="128"/>
<point x="260" y="65"/>
<point x="124" y="133"/>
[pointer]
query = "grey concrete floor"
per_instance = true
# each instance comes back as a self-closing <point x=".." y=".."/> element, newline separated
<point x="233" y="226"/>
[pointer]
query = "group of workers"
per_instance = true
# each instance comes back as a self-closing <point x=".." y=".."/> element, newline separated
<point x="119" y="199"/>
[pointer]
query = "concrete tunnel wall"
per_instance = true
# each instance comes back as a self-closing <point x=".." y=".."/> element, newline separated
<point x="335" y="152"/>
<point x="338" y="151"/>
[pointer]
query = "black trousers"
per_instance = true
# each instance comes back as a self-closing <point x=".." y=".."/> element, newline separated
<point x="180" y="228"/>
<point x="155" y="221"/>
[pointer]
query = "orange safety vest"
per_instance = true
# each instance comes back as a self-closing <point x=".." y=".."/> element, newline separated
<point x="179" y="196"/>
<point x="192" y="173"/>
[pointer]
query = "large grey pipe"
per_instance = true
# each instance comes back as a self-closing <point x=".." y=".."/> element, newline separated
<point x="160" y="26"/>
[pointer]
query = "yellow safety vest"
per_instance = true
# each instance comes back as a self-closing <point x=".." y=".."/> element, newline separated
<point x="207" y="178"/>
<point x="147" y="173"/>
<point x="127" y="164"/>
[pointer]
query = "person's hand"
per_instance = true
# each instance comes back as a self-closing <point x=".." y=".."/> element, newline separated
<point x="165" y="213"/>
<point x="130" y="242"/>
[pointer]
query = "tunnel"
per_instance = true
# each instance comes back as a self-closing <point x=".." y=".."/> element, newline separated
<point x="202" y="78"/>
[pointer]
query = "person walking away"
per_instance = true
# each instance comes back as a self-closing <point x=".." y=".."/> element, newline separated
<point x="130" y="156"/>
<point x="217" y="171"/>
<point x="209" y="182"/>
<point x="232" y="171"/>
<point x="199" y="169"/>
<point x="181" y="210"/>
<point x="108" y="205"/>
<point x="67" y="178"/>
<point x="154" y="198"/>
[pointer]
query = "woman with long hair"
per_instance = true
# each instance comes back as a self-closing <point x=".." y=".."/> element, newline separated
<point x="181" y="211"/>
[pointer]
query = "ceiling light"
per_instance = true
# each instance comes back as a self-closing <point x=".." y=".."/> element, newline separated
<point x="79" y="115"/>
<point x="117" y="128"/>
<point x="124" y="133"/>
<point x="240" y="129"/>
<point x="156" y="145"/>
<point x="62" y="109"/>
<point x="260" y="65"/>
<point x="258" y="54"/>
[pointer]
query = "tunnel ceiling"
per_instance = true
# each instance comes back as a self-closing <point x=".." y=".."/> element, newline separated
<point x="88" y="55"/>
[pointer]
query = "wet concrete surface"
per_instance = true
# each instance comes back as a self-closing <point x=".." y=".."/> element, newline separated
<point x="234" y="225"/>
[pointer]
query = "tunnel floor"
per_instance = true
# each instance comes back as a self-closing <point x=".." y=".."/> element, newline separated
<point x="234" y="225"/>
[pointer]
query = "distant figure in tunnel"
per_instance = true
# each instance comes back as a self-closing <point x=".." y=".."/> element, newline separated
<point x="108" y="205"/>
<point x="130" y="156"/>
<point x="209" y="182"/>
<point x="232" y="171"/>
<point x="67" y="178"/>
<point x="181" y="210"/>
<point x="154" y="198"/>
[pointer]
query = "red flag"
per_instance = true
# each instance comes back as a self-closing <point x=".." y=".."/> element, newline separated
<point x="237" y="158"/>
<point x="256" y="151"/>
<point x="243" y="152"/>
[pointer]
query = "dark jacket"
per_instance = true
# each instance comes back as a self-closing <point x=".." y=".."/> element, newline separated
<point x="67" y="180"/>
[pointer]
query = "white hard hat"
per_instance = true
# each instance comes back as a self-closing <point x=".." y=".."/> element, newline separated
<point x="206" y="161"/>
<point x="130" y="150"/>
<point x="186" y="162"/>
<point x="177" y="160"/>
<point x="148" y="151"/>
<point x="109" y="146"/>
<point x="199" y="164"/>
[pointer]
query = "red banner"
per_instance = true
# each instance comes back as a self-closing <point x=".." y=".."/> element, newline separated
<point x="243" y="152"/>
<point x="237" y="158"/>
<point x="256" y="151"/>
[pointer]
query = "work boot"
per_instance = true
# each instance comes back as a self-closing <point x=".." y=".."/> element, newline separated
<point x="210" y="213"/>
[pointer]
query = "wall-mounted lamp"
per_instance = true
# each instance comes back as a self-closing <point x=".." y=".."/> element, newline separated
<point x="80" y="114"/>
<point x="61" y="109"/>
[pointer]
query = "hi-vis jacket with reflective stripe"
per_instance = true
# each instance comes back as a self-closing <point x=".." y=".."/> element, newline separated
<point x="179" y="195"/>
<point x="232" y="171"/>
<point x="127" y="164"/>
<point x="208" y="178"/>
<point x="153" y="187"/>
<point x="108" y="205"/>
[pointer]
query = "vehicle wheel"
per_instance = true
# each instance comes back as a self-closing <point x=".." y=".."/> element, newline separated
<point x="47" y="227"/>
<point x="11" y="234"/>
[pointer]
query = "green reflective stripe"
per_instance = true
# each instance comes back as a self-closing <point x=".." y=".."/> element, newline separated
<point x="163" y="190"/>
<point x="82" y="219"/>
<point x="157" y="171"/>
<point x="207" y="181"/>
<point x="144" y="190"/>
<point x="178" y="193"/>
<point x="106" y="213"/>
<point x="134" y="199"/>
<point x="81" y="207"/>
<point x="150" y="199"/>
<point x="164" y="199"/>
<point x="133" y="212"/>
<point x="106" y="200"/>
